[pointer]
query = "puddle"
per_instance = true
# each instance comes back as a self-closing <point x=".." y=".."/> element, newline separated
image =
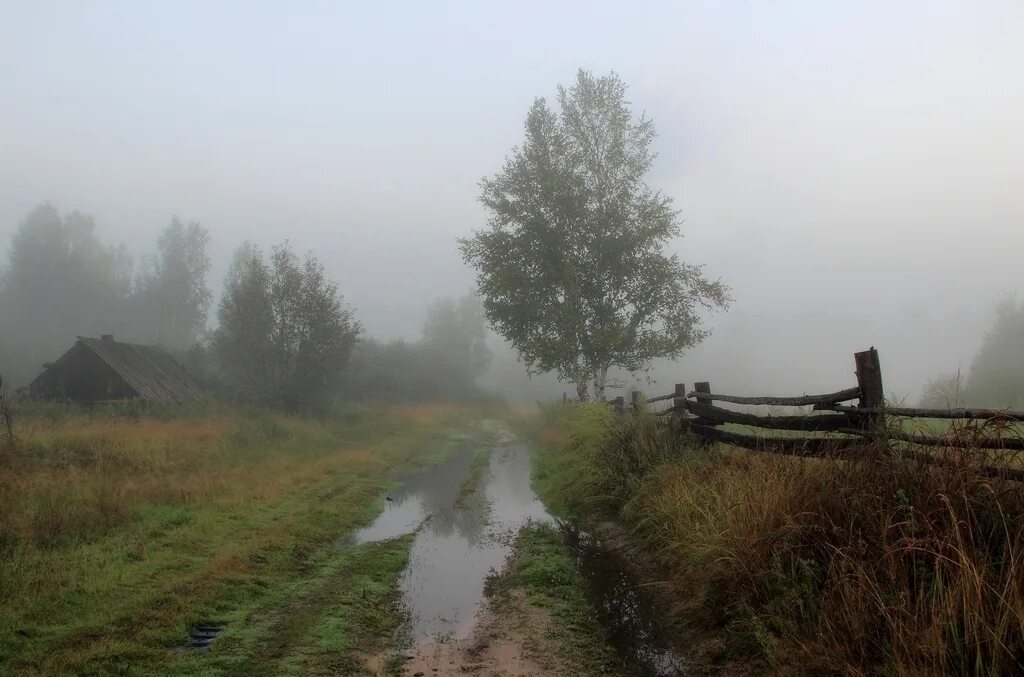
<point x="458" y="544"/>
<point x="627" y="611"/>
<point x="429" y="493"/>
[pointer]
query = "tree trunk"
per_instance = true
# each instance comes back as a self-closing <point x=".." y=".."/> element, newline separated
<point x="600" y="378"/>
<point x="582" y="389"/>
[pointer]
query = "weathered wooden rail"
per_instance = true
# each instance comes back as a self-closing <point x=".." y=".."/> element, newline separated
<point x="832" y="427"/>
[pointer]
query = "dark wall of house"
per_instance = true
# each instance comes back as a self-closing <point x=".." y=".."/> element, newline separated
<point x="81" y="376"/>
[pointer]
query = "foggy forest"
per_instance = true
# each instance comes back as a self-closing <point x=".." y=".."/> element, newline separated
<point x="521" y="339"/>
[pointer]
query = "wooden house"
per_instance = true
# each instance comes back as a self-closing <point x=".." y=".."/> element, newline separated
<point x="103" y="370"/>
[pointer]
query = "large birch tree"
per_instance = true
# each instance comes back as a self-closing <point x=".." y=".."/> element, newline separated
<point x="573" y="266"/>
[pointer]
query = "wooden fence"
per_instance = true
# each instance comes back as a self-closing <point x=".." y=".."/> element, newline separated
<point x="832" y="427"/>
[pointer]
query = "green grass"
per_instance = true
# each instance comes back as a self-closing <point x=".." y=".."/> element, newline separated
<point x="122" y="532"/>
<point x="543" y="570"/>
<point x="567" y="468"/>
<point x="342" y="610"/>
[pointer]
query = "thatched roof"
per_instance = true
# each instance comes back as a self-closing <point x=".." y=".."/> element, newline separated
<point x="149" y="370"/>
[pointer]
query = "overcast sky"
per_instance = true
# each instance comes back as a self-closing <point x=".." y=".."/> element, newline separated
<point x="854" y="170"/>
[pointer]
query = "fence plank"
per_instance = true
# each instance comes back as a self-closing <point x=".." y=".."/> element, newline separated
<point x="809" y="423"/>
<point x="1008" y="443"/>
<point x="1015" y="474"/>
<point x="915" y="412"/>
<point x="801" y="401"/>
<point x="795" y="446"/>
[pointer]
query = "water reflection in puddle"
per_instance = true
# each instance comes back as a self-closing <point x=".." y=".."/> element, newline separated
<point x="429" y="493"/>
<point x="459" y="543"/>
<point x="627" y="611"/>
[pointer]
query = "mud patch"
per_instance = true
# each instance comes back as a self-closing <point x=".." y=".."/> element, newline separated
<point x="500" y="643"/>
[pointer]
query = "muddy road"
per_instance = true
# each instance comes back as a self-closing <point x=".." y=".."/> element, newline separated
<point x="465" y="514"/>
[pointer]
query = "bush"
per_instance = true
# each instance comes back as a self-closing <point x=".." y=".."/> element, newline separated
<point x="945" y="391"/>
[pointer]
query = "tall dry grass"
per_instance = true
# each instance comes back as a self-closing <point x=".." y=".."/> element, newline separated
<point x="867" y="565"/>
<point x="77" y="476"/>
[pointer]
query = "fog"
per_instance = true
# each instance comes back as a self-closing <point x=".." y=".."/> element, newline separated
<point x="853" y="172"/>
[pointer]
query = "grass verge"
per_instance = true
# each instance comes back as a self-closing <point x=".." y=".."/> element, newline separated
<point x="869" y="565"/>
<point x="542" y="574"/>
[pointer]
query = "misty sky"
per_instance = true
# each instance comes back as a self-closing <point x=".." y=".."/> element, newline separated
<point x="855" y="171"/>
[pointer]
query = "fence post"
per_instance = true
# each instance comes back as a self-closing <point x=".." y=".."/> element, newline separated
<point x="703" y="389"/>
<point x="620" y="405"/>
<point x="638" y="402"/>
<point x="678" y="417"/>
<point x="679" y="401"/>
<point x="869" y="379"/>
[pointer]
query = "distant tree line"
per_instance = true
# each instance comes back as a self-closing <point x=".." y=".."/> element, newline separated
<point x="996" y="375"/>
<point x="284" y="336"/>
<point x="445" y="364"/>
<point x="61" y="281"/>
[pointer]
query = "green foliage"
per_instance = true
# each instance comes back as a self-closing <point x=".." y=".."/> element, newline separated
<point x="598" y="459"/>
<point x="172" y="296"/>
<point x="572" y="266"/>
<point x="997" y="372"/>
<point x="443" y="366"/>
<point x="455" y="337"/>
<point x="285" y="333"/>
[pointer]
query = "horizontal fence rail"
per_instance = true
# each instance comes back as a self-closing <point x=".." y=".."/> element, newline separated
<point x="1015" y="474"/>
<point x="791" y="446"/>
<point x="801" y="401"/>
<point x="929" y="413"/>
<point x="834" y="428"/>
<point x="967" y="442"/>
<point x="821" y="422"/>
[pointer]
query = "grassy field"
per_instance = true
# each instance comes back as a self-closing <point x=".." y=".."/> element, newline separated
<point x="869" y="566"/>
<point x="122" y="530"/>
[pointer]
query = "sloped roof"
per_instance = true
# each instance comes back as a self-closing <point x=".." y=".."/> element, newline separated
<point x="149" y="370"/>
